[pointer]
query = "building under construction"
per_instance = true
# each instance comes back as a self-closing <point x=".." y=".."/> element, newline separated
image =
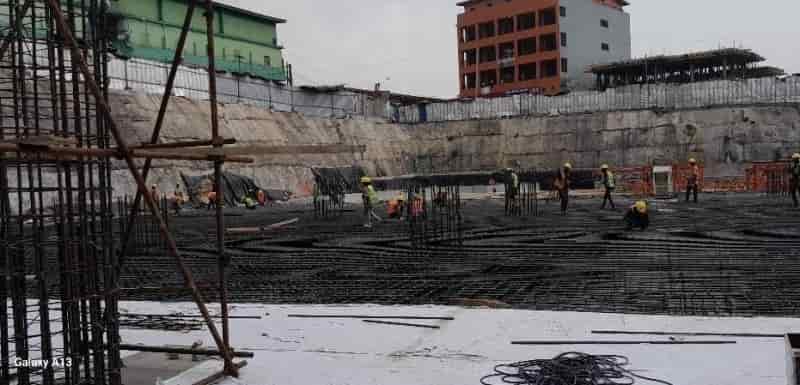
<point x="720" y="64"/>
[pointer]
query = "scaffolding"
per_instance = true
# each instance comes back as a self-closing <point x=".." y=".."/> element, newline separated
<point x="60" y="268"/>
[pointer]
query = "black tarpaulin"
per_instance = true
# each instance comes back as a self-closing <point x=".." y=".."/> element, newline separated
<point x="234" y="188"/>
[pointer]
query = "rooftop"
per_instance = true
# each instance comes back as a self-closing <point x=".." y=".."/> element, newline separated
<point x="466" y="3"/>
<point x="712" y="57"/>
<point x="248" y="12"/>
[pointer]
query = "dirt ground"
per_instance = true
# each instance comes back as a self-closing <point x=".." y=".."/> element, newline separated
<point x="728" y="255"/>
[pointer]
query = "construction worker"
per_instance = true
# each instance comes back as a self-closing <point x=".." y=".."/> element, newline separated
<point x="637" y="216"/>
<point x="261" y="197"/>
<point x="212" y="199"/>
<point x="794" y="170"/>
<point x="512" y="184"/>
<point x="693" y="181"/>
<point x="179" y="199"/>
<point x="609" y="184"/>
<point x="370" y="199"/>
<point x="155" y="194"/>
<point x="395" y="207"/>
<point x="562" y="184"/>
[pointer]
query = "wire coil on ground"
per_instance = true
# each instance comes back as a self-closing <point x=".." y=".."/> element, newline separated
<point x="568" y="369"/>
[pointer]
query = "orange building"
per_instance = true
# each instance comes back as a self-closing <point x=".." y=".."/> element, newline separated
<point x="537" y="46"/>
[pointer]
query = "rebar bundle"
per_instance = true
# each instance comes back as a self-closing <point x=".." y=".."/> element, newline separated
<point x="434" y="214"/>
<point x="56" y="248"/>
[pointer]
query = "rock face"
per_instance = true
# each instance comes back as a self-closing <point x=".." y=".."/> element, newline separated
<point x="252" y="126"/>
<point x="724" y="139"/>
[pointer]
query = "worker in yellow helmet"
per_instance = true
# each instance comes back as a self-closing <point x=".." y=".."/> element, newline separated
<point x="370" y="199"/>
<point x="512" y="188"/>
<point x="637" y="216"/>
<point x="794" y="170"/>
<point x="693" y="181"/>
<point x="562" y="183"/>
<point x="609" y="184"/>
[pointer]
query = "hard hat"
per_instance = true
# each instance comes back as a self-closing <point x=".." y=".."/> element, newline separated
<point x="796" y="156"/>
<point x="366" y="179"/>
<point x="641" y="206"/>
<point x="604" y="167"/>
<point x="692" y="160"/>
<point x="568" y="165"/>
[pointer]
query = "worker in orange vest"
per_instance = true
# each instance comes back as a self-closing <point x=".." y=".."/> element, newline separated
<point x="693" y="181"/>
<point x="562" y="184"/>
<point x="261" y="197"/>
<point x="212" y="199"/>
<point x="395" y="207"/>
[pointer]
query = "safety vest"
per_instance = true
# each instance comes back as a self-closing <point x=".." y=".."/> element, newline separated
<point x="372" y="196"/>
<point x="393" y="206"/>
<point x="515" y="180"/>
<point x="212" y="196"/>
<point x="261" y="197"/>
<point x="610" y="181"/>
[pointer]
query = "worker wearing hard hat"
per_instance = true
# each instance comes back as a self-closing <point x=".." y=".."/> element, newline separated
<point x="609" y="184"/>
<point x="396" y="206"/>
<point x="637" y="216"/>
<point x="794" y="170"/>
<point x="562" y="184"/>
<point x="693" y="181"/>
<point x="512" y="187"/>
<point x="370" y="199"/>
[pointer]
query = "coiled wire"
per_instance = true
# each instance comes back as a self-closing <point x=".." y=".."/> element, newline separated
<point x="568" y="369"/>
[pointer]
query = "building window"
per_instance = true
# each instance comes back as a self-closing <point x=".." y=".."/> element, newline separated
<point x="470" y="57"/>
<point x="469" y="81"/>
<point x="563" y="11"/>
<point x="526" y="46"/>
<point x="267" y="61"/>
<point x="486" y="30"/>
<point x="526" y="21"/>
<point x="506" y="50"/>
<point x="564" y="65"/>
<point x="548" y="42"/>
<point x="507" y="75"/>
<point x="488" y="78"/>
<point x="604" y="23"/>
<point x="468" y="33"/>
<point x="547" y="17"/>
<point x="563" y="39"/>
<point x="527" y="71"/>
<point x="505" y="25"/>
<point x="487" y="54"/>
<point x="605" y="47"/>
<point x="549" y="68"/>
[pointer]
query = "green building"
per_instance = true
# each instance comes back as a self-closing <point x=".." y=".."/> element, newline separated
<point x="245" y="42"/>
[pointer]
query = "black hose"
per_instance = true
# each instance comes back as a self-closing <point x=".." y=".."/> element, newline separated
<point x="568" y="369"/>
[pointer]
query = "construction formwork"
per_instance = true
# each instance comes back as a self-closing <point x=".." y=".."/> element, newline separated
<point x="59" y="257"/>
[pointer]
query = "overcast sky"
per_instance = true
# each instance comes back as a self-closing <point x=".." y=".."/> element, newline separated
<point x="412" y="43"/>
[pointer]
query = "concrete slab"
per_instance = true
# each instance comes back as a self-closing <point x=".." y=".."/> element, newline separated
<point x="146" y="368"/>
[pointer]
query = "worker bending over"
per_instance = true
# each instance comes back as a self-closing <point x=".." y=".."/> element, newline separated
<point x="370" y="199"/>
<point x="693" y="182"/>
<point x="794" y="170"/>
<point x="395" y="207"/>
<point x="609" y="184"/>
<point x="562" y="184"/>
<point x="637" y="216"/>
<point x="212" y="199"/>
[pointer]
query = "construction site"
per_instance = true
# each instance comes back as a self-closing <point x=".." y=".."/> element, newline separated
<point x="205" y="227"/>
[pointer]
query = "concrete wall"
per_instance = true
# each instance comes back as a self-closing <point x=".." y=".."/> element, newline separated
<point x="723" y="139"/>
<point x="585" y="37"/>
